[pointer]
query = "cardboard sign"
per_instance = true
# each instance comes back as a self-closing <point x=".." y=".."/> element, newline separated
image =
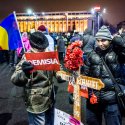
<point x="90" y="82"/>
<point x="85" y="81"/>
<point x="83" y="90"/>
<point x="44" y="60"/>
<point x="62" y="118"/>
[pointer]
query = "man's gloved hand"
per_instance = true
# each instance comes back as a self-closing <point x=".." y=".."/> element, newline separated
<point x="27" y="67"/>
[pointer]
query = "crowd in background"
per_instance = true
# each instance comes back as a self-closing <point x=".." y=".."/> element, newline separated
<point x="57" y="42"/>
<point x="103" y="46"/>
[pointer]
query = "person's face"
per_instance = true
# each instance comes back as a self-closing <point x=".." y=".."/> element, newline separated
<point x="120" y="31"/>
<point x="103" y="43"/>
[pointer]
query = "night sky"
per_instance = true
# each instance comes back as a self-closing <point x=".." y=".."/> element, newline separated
<point x="115" y="8"/>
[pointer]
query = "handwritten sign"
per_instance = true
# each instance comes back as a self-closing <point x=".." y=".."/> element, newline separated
<point x="90" y="82"/>
<point x="64" y="75"/>
<point x="62" y="118"/>
<point x="84" y="81"/>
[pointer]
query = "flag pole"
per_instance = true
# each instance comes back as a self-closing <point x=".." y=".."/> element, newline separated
<point x="19" y="31"/>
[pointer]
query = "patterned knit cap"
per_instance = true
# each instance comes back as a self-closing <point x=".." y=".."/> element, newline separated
<point x="103" y="33"/>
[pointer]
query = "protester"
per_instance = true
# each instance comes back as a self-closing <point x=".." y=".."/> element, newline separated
<point x="26" y="45"/>
<point x="104" y="100"/>
<point x="119" y="48"/>
<point x="13" y="60"/>
<point x="61" y="48"/>
<point x="4" y="56"/>
<point x="44" y="30"/>
<point x="88" y="41"/>
<point x="38" y="85"/>
<point x="75" y="36"/>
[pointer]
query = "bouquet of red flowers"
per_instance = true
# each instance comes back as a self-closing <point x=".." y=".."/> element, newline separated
<point x="74" y="56"/>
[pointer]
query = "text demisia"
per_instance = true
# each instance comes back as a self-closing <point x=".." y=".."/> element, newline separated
<point x="44" y="61"/>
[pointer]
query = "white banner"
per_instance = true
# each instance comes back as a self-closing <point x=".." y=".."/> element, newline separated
<point x="62" y="118"/>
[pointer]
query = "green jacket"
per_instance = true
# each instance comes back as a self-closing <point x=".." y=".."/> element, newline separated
<point x="38" y="88"/>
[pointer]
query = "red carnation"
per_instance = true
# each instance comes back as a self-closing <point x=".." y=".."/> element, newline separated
<point x="73" y="59"/>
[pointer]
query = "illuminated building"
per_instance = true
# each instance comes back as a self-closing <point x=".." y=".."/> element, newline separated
<point x="64" y="21"/>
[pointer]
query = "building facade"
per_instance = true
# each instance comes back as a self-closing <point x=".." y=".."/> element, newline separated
<point x="65" y="21"/>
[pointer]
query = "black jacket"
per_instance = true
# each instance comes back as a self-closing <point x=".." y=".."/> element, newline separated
<point x="119" y="47"/>
<point x="88" y="41"/>
<point x="94" y="67"/>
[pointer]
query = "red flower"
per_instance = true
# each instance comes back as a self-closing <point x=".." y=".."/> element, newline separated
<point x="73" y="59"/>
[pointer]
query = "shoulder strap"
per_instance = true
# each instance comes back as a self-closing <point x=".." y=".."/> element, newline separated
<point x="111" y="76"/>
<point x="107" y="68"/>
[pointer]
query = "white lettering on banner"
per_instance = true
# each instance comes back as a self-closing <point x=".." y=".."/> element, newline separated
<point x="88" y="83"/>
<point x="66" y="77"/>
<point x="84" y="81"/>
<point x="44" y="61"/>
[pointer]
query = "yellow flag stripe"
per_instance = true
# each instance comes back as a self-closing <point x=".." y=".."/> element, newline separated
<point x="3" y="39"/>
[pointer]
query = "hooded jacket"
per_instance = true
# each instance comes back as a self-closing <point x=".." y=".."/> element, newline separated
<point x="88" y="41"/>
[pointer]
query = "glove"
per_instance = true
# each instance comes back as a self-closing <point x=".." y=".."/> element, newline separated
<point x="27" y="67"/>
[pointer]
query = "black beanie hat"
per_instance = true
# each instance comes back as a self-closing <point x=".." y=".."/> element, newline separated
<point x="103" y="33"/>
<point x="38" y="40"/>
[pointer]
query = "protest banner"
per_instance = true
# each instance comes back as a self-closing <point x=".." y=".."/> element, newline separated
<point x="44" y="60"/>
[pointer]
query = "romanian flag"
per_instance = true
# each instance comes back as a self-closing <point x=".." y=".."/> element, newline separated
<point x="10" y="37"/>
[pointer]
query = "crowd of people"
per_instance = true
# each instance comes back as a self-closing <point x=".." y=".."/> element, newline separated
<point x="57" y="41"/>
<point x="102" y="48"/>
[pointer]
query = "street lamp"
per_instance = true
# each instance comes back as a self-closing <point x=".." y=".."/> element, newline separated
<point x="93" y="11"/>
<point x="99" y="12"/>
<point x="29" y="11"/>
<point x="104" y="10"/>
<point x="98" y="18"/>
<point x="43" y="13"/>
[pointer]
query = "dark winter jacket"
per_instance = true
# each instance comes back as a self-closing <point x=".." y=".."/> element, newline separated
<point x="88" y="41"/>
<point x="61" y="44"/>
<point x="119" y="47"/>
<point x="94" y="67"/>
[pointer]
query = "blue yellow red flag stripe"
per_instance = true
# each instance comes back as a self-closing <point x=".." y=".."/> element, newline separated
<point x="10" y="38"/>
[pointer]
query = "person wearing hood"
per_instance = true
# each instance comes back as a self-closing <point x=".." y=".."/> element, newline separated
<point x="88" y="41"/>
<point x="75" y="37"/>
<point x="105" y="102"/>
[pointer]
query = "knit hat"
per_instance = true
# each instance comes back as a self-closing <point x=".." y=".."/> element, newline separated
<point x="38" y="40"/>
<point x="103" y="33"/>
<point x="42" y="28"/>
